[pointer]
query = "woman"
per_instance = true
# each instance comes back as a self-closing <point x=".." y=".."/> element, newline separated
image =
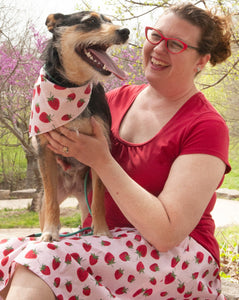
<point x="169" y="155"/>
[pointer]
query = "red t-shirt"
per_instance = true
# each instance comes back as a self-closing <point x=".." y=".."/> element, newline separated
<point x="195" y="128"/>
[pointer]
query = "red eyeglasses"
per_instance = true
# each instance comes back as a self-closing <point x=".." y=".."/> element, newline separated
<point x="173" y="45"/>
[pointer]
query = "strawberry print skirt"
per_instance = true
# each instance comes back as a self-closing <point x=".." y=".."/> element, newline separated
<point x="123" y="267"/>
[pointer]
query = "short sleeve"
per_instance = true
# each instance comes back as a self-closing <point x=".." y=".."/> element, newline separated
<point x="208" y="136"/>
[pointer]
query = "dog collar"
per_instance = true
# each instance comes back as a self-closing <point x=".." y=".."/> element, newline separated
<point x="54" y="106"/>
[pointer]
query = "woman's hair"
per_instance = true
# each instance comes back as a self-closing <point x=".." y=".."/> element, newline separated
<point x="215" y="30"/>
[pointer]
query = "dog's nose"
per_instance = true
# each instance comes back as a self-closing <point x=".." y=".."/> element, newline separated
<point x="124" y="33"/>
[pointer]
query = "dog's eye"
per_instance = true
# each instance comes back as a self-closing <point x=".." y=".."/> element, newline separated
<point x="92" y="21"/>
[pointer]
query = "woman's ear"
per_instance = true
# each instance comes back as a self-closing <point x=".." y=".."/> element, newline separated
<point x="202" y="61"/>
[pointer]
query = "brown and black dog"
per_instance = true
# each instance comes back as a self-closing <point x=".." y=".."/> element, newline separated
<point x="75" y="55"/>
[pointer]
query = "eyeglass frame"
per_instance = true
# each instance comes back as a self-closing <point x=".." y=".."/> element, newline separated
<point x="166" y="40"/>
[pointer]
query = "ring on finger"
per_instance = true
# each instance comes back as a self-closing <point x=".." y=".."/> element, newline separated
<point x="65" y="149"/>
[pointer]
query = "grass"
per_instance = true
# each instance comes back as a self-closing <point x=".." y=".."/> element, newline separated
<point x="23" y="218"/>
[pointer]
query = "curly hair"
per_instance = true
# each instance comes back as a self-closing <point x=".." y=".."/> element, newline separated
<point x="215" y="30"/>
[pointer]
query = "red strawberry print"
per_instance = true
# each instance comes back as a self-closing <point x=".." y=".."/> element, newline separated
<point x="43" y="78"/>
<point x="148" y="292"/>
<point x="98" y="279"/>
<point x="105" y="243"/>
<point x="7" y="251"/>
<point x="175" y="261"/>
<point x="140" y="267"/>
<point x="205" y="273"/>
<point x="57" y="282"/>
<point x="88" y="90"/>
<point x="71" y="97"/>
<point x="181" y="288"/>
<point x="199" y="257"/>
<point x="32" y="254"/>
<point x="38" y="90"/>
<point x="86" y="291"/>
<point x="195" y="275"/>
<point x="76" y="257"/>
<point x="89" y="270"/>
<point x="109" y="258"/>
<point x="1" y="275"/>
<point x="68" y="259"/>
<point x="68" y="286"/>
<point x="209" y="259"/>
<point x="153" y="281"/>
<point x="155" y="254"/>
<point x="56" y="262"/>
<point x="138" y="292"/>
<point x="59" y="297"/>
<point x="36" y="129"/>
<point x="129" y="244"/>
<point x="93" y="259"/>
<point x="87" y="247"/>
<point x="45" y="118"/>
<point x="169" y="278"/>
<point x="163" y="294"/>
<point x="141" y="250"/>
<point x="215" y="273"/>
<point x="80" y="103"/>
<point x="66" y="117"/>
<point x="3" y="241"/>
<point x="82" y="274"/>
<point x="138" y="237"/>
<point x="4" y="261"/>
<point x="200" y="286"/>
<point x="68" y="244"/>
<point x="58" y="87"/>
<point x="131" y="278"/>
<point x="37" y="108"/>
<point x="120" y="291"/>
<point x="119" y="273"/>
<point x="54" y="102"/>
<point x="185" y="265"/>
<point x="187" y="295"/>
<point x="73" y="298"/>
<point x="52" y="246"/>
<point x="154" y="267"/>
<point x="45" y="270"/>
<point x="124" y="256"/>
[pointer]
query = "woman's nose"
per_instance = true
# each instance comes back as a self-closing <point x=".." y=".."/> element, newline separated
<point x="161" y="46"/>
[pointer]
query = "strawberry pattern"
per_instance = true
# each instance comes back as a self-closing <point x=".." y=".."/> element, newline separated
<point x="54" y="106"/>
<point x="123" y="267"/>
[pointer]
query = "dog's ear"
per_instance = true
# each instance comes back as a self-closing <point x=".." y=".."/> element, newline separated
<point x="53" y="20"/>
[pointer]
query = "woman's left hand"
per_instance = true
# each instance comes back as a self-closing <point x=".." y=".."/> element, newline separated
<point x="88" y="149"/>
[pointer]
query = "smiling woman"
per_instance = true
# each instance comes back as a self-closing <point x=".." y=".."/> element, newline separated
<point x="169" y="154"/>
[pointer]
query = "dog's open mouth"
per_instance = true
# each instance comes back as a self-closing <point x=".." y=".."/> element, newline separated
<point x="100" y="61"/>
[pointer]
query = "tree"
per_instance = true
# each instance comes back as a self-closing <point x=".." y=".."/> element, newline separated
<point x="20" y="64"/>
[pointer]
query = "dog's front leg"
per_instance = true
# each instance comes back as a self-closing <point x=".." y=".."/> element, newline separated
<point x="50" y="211"/>
<point x="100" y="226"/>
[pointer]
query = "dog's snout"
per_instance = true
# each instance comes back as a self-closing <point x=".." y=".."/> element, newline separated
<point x="124" y="33"/>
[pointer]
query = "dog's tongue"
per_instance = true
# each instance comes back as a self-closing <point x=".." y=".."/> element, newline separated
<point x="108" y="62"/>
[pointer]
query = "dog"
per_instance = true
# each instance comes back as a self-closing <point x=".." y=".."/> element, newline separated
<point x="74" y="57"/>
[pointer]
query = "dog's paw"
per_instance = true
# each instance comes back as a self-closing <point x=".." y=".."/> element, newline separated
<point x="102" y="232"/>
<point x="49" y="237"/>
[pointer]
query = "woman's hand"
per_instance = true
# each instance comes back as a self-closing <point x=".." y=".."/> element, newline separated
<point x="90" y="150"/>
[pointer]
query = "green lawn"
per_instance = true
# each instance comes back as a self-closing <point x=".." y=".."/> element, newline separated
<point x="23" y="218"/>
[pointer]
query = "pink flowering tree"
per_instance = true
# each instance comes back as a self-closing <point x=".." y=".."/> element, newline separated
<point x="20" y="65"/>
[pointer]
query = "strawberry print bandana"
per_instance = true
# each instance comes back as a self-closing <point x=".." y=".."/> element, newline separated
<point x="54" y="106"/>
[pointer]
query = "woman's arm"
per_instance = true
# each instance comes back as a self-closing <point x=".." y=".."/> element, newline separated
<point x="164" y="220"/>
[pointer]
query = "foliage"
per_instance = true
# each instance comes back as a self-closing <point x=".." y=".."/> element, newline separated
<point x="228" y="239"/>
